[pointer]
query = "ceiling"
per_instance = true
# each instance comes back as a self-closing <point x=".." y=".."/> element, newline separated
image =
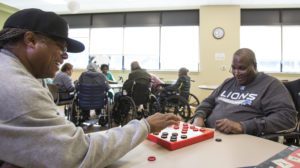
<point x="94" y="6"/>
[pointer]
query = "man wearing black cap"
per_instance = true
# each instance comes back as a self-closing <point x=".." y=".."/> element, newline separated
<point x="33" y="45"/>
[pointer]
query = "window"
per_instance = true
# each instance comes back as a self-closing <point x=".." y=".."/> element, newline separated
<point x="153" y="47"/>
<point x="159" y="40"/>
<point x="107" y="46"/>
<point x="290" y="49"/>
<point x="141" y="44"/>
<point x="79" y="60"/>
<point x="265" y="41"/>
<point x="179" y="47"/>
<point x="274" y="36"/>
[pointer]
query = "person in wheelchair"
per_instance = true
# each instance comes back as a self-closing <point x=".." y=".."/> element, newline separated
<point x="182" y="85"/>
<point x="137" y="87"/>
<point x="64" y="82"/>
<point x="156" y="84"/>
<point x="137" y="75"/>
<point x="92" y="77"/>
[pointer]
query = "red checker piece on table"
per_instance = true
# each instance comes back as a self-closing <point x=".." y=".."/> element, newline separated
<point x="184" y="129"/>
<point x="202" y="129"/>
<point x="151" y="158"/>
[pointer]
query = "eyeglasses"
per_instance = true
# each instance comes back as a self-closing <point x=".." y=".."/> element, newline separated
<point x="240" y="70"/>
<point x="60" y="43"/>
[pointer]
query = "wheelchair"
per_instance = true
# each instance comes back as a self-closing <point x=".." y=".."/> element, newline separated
<point x="137" y="104"/>
<point x="90" y="97"/>
<point x="193" y="100"/>
<point x="172" y="101"/>
<point x="61" y="98"/>
<point x="290" y="138"/>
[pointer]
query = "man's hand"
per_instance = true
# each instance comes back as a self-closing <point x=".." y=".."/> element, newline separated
<point x="229" y="126"/>
<point x="160" y="121"/>
<point x="199" y="121"/>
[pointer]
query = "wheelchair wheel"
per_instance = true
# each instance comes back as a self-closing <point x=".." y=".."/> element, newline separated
<point x="74" y="114"/>
<point x="67" y="109"/>
<point x="105" y="116"/>
<point x="125" y="111"/>
<point x="154" y="105"/>
<point x="193" y="100"/>
<point x="103" y="120"/>
<point x="177" y="105"/>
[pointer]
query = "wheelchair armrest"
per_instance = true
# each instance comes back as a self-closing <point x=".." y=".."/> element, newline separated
<point x="64" y="95"/>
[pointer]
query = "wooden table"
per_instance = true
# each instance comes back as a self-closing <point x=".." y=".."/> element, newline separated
<point x="233" y="151"/>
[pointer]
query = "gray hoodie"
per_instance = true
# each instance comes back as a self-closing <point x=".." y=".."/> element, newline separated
<point x="34" y="134"/>
<point x="264" y="106"/>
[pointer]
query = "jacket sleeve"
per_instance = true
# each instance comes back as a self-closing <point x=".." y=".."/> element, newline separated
<point x="206" y="106"/>
<point x="38" y="136"/>
<point x="64" y="145"/>
<point x="279" y="111"/>
<point x="176" y="85"/>
<point x="68" y="83"/>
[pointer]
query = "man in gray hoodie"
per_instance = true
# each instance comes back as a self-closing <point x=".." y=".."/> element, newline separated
<point x="250" y="102"/>
<point x="33" y="44"/>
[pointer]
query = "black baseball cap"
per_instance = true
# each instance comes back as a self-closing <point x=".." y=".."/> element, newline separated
<point x="48" y="23"/>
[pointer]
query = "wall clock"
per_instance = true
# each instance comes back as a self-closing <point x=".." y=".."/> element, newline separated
<point x="218" y="33"/>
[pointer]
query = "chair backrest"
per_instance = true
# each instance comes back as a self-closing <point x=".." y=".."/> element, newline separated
<point x="140" y="93"/>
<point x="294" y="89"/>
<point x="91" y="96"/>
<point x="92" y="90"/>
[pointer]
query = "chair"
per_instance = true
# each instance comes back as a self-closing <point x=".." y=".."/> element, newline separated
<point x="90" y="97"/>
<point x="172" y="101"/>
<point x="176" y="104"/>
<point x="141" y="95"/>
<point x="291" y="138"/>
<point x="139" y="102"/>
<point x="294" y="89"/>
<point x="58" y="98"/>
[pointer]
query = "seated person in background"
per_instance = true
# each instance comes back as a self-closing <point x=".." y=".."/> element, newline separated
<point x="64" y="82"/>
<point x="182" y="85"/>
<point x="93" y="76"/>
<point x="155" y="83"/>
<point x="110" y="79"/>
<point x="250" y="102"/>
<point x="105" y="70"/>
<point x="138" y="75"/>
<point x="32" y="43"/>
